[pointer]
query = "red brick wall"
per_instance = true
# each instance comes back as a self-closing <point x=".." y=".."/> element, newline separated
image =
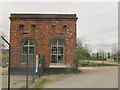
<point x="43" y="34"/>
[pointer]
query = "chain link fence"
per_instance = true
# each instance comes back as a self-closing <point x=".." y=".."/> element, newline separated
<point x="24" y="73"/>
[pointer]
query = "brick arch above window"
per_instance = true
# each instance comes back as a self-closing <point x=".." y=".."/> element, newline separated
<point x="26" y="39"/>
<point x="57" y="38"/>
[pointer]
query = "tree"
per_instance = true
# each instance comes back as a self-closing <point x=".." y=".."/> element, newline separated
<point x="101" y="53"/>
<point x="97" y="56"/>
<point x="114" y="49"/>
<point x="3" y="44"/>
<point x="108" y="55"/>
<point x="114" y="52"/>
<point x="83" y="52"/>
<point x="118" y="54"/>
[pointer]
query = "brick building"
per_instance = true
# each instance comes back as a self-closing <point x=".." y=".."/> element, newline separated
<point x="51" y="35"/>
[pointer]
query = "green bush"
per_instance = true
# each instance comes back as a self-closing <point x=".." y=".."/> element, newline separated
<point x="77" y="71"/>
<point x="66" y="72"/>
<point x="40" y="85"/>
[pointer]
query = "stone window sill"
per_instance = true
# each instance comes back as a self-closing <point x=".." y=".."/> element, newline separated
<point x="58" y="65"/>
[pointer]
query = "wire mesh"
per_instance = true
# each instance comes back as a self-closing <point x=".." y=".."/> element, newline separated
<point x="24" y="68"/>
<point x="22" y="74"/>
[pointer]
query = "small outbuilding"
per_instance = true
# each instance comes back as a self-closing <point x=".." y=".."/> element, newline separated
<point x="51" y="35"/>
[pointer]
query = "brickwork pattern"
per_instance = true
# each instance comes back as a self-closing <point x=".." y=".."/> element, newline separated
<point x="43" y="33"/>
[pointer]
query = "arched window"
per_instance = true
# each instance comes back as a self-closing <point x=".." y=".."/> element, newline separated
<point x="28" y="47"/>
<point x="57" y="51"/>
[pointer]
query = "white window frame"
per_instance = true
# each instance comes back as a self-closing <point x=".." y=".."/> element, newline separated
<point x="57" y="52"/>
<point x="28" y="46"/>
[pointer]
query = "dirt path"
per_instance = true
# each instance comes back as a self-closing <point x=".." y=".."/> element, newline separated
<point x="95" y="77"/>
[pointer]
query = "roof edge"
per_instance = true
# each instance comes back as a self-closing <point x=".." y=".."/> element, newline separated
<point x="43" y="16"/>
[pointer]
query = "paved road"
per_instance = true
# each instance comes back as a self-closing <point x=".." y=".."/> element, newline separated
<point x="99" y="77"/>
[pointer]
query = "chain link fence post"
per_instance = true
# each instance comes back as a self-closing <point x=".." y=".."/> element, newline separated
<point x="33" y="66"/>
<point x="43" y="64"/>
<point x="27" y="72"/>
<point x="39" y="66"/>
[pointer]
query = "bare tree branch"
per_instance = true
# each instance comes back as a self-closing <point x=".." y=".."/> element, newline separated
<point x="3" y="44"/>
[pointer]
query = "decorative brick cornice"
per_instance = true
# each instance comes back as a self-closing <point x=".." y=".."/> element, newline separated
<point x="42" y="16"/>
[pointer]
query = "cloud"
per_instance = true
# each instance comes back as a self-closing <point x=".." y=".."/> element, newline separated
<point x="96" y="25"/>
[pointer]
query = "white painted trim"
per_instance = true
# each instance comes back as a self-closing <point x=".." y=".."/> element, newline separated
<point x="58" y="65"/>
<point x="57" y="51"/>
<point x="28" y="46"/>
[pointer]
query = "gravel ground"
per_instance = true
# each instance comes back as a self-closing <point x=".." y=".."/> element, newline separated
<point x="16" y="81"/>
<point x="91" y="77"/>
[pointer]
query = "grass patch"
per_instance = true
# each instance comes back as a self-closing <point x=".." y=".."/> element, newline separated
<point x="77" y="71"/>
<point x="117" y="61"/>
<point x="111" y="65"/>
<point x="40" y="85"/>
<point x="45" y="80"/>
<point x="85" y="63"/>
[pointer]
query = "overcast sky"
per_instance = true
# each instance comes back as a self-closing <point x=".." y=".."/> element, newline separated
<point x="97" y="23"/>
